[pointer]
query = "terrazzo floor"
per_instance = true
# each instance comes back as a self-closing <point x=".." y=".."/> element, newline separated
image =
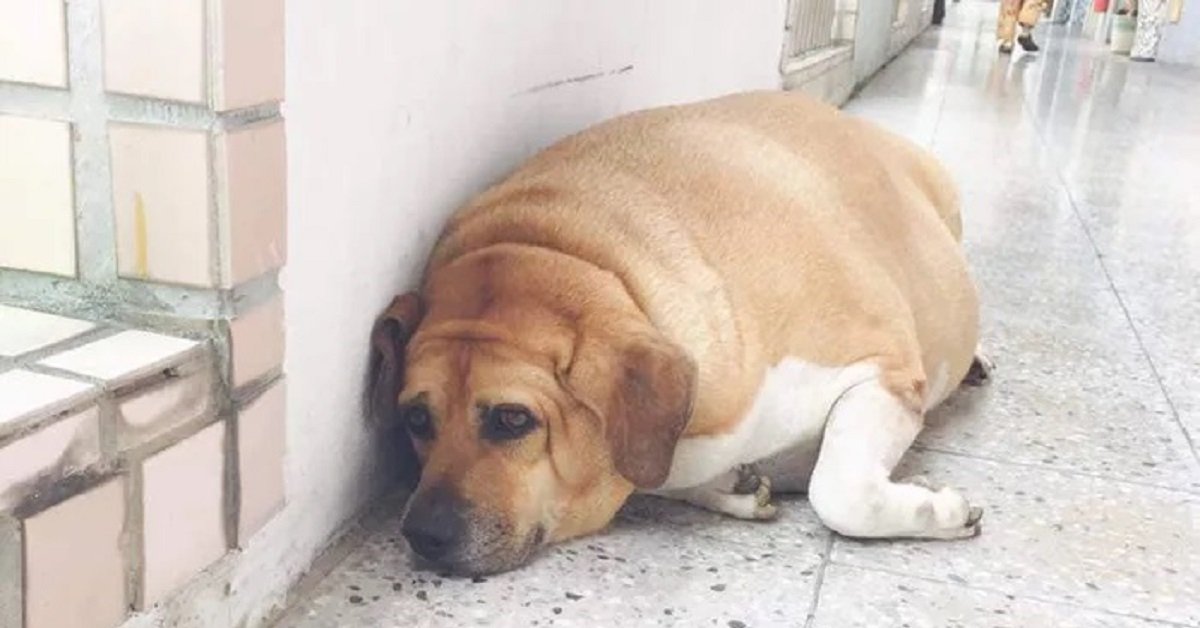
<point x="1078" y="171"/>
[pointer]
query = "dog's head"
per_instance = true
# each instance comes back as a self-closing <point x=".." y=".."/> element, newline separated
<point x="533" y="422"/>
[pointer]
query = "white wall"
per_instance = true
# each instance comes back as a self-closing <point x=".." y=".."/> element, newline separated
<point x="397" y="112"/>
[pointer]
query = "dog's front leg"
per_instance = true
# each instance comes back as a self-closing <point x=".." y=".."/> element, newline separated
<point x="743" y="493"/>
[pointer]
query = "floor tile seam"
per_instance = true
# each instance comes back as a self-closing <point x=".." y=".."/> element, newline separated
<point x="1007" y="593"/>
<point x="710" y="537"/>
<point x="1066" y="189"/>
<point x="819" y="582"/>
<point x="958" y="453"/>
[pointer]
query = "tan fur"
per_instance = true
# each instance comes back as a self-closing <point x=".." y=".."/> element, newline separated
<point x="720" y="237"/>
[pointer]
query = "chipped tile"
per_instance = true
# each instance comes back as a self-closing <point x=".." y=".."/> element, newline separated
<point x="126" y="355"/>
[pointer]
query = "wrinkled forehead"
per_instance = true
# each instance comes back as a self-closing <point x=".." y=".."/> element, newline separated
<point x="454" y="373"/>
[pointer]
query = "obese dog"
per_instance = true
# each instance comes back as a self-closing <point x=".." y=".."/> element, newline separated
<point x="661" y="300"/>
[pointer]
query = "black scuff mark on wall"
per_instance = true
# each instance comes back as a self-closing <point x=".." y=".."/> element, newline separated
<point x="574" y="80"/>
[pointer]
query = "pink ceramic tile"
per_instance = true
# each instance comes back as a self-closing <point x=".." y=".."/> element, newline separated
<point x="257" y="341"/>
<point x="262" y="445"/>
<point x="161" y="201"/>
<point x="253" y="192"/>
<point x="22" y="331"/>
<point x="37" y="209"/>
<point x="55" y="451"/>
<point x="33" y="46"/>
<point x="146" y="413"/>
<point x="183" y="511"/>
<point x="250" y="68"/>
<point x="155" y="48"/>
<point x="74" y="573"/>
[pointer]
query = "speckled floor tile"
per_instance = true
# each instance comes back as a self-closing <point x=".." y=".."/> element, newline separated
<point x="796" y="527"/>
<point x="858" y="598"/>
<point x="669" y="572"/>
<point x="1068" y="399"/>
<point x="1054" y="536"/>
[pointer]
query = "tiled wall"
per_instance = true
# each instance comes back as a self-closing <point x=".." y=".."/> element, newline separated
<point x="142" y="227"/>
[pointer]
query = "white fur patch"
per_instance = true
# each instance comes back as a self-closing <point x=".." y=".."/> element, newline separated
<point x="939" y="387"/>
<point x="789" y="411"/>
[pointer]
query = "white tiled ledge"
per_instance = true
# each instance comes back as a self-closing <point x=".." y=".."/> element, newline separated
<point x="76" y="396"/>
<point x="126" y="467"/>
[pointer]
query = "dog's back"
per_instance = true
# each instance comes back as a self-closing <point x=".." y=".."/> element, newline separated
<point x="751" y="228"/>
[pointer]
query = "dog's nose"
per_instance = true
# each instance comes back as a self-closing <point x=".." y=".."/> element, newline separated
<point x="435" y="524"/>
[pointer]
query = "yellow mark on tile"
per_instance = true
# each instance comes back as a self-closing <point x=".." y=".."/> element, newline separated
<point x="141" y="263"/>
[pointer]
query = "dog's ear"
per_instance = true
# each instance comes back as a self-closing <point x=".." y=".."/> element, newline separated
<point x="385" y="377"/>
<point x="389" y="337"/>
<point x="642" y="387"/>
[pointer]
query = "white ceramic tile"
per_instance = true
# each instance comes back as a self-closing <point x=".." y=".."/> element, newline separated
<point x="33" y="47"/>
<point x="25" y="394"/>
<point x="22" y="331"/>
<point x="125" y="355"/>
<point x="37" y="213"/>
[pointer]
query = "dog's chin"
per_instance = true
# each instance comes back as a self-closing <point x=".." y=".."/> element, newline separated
<point x="487" y="558"/>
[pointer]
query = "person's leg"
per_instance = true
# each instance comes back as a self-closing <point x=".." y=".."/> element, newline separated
<point x="1031" y="10"/>
<point x="1007" y="26"/>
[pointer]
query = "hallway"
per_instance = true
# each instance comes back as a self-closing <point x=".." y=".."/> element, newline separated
<point x="1077" y="171"/>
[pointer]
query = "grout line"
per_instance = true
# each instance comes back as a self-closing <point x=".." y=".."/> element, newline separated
<point x="818" y="584"/>
<point x="35" y="101"/>
<point x="133" y="538"/>
<point x="91" y="167"/>
<point x="162" y="307"/>
<point x="1042" y="467"/>
<point x="98" y="332"/>
<point x="1008" y="594"/>
<point x="1062" y="181"/>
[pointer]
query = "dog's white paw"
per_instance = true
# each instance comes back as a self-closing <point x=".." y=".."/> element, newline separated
<point x="954" y="517"/>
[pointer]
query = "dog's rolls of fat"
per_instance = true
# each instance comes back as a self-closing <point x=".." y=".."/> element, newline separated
<point x="651" y="273"/>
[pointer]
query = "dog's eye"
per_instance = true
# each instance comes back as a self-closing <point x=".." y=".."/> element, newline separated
<point x="418" y="421"/>
<point x="507" y="422"/>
